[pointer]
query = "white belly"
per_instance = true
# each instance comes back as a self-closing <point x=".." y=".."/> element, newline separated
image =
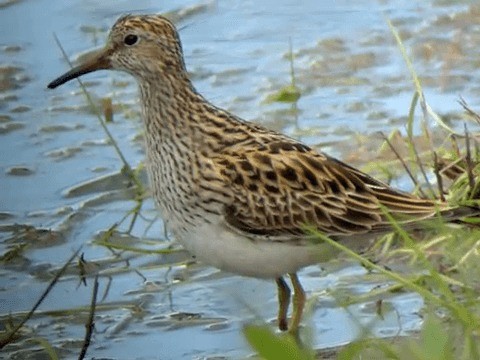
<point x="220" y="247"/>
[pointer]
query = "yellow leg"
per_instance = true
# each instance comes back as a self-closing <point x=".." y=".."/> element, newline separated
<point x="298" y="303"/>
<point x="283" y="303"/>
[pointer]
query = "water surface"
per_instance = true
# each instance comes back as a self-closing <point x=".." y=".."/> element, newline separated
<point x="60" y="186"/>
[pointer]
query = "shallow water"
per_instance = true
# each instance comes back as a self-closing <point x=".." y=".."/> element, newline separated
<point x="60" y="186"/>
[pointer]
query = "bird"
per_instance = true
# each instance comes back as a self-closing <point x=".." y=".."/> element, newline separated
<point x="235" y="194"/>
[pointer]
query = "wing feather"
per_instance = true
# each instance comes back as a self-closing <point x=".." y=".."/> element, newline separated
<point x="280" y="186"/>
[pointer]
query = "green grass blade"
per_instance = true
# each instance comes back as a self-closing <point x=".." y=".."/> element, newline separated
<point x="275" y="347"/>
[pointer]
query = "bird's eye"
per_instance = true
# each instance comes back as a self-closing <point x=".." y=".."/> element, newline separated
<point x="130" y="39"/>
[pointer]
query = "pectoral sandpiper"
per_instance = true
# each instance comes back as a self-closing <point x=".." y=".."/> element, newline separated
<point x="236" y="195"/>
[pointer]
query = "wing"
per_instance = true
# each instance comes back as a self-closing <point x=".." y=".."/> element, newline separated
<point x="279" y="187"/>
